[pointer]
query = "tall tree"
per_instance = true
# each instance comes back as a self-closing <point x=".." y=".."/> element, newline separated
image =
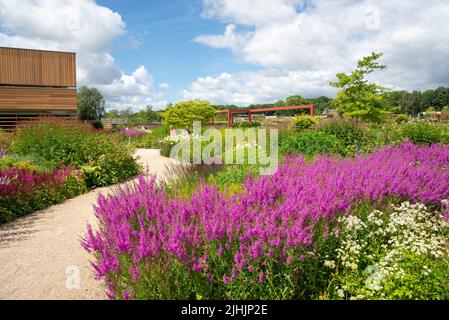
<point x="151" y="115"/>
<point x="357" y="97"/>
<point x="113" y="113"/>
<point x="90" y="104"/>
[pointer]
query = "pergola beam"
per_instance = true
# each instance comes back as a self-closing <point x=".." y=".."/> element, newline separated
<point x="250" y="112"/>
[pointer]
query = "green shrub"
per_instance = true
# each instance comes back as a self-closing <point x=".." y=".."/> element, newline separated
<point x="184" y="113"/>
<point x="247" y="124"/>
<point x="97" y="124"/>
<point x="104" y="159"/>
<point x="421" y="133"/>
<point x="309" y="143"/>
<point x="303" y="122"/>
<point x="401" y="118"/>
<point x="352" y="136"/>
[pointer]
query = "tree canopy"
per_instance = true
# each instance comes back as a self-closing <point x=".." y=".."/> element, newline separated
<point x="90" y="104"/>
<point x="358" y="97"/>
<point x="183" y="114"/>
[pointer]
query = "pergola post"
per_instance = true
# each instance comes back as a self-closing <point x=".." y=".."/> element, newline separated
<point x="250" y="112"/>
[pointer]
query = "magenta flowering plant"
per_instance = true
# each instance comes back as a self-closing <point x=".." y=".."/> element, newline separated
<point x="260" y="244"/>
<point x="24" y="181"/>
<point x="23" y="191"/>
<point x="132" y="132"/>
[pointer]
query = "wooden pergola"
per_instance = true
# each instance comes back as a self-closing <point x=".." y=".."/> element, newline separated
<point x="250" y="112"/>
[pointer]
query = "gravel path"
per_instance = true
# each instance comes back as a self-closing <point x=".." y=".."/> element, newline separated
<point x="41" y="256"/>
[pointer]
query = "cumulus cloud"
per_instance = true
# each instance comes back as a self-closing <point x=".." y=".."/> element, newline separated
<point x="229" y="40"/>
<point x="258" y="87"/>
<point x="88" y="29"/>
<point x="305" y="40"/>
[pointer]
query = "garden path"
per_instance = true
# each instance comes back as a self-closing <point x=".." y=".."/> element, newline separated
<point x="41" y="256"/>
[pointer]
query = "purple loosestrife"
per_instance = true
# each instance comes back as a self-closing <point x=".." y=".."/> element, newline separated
<point x="132" y="132"/>
<point x="24" y="181"/>
<point x="273" y="219"/>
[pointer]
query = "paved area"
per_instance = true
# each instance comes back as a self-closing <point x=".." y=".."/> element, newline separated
<point x="41" y="256"/>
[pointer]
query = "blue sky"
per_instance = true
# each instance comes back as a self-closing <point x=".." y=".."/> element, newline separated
<point x="159" y="35"/>
<point x="232" y="51"/>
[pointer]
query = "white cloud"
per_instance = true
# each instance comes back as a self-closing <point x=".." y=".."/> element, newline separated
<point x="229" y="40"/>
<point x="251" y="12"/>
<point x="257" y="87"/>
<point x="164" y="85"/>
<point x="307" y="40"/>
<point x="82" y="26"/>
<point x="135" y="90"/>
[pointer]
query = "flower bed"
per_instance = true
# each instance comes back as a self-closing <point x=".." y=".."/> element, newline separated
<point x="23" y="191"/>
<point x="265" y="243"/>
<point x="103" y="158"/>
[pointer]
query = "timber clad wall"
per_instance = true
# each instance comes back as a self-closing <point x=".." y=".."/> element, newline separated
<point x="36" y="83"/>
<point x="25" y="67"/>
<point x="38" y="99"/>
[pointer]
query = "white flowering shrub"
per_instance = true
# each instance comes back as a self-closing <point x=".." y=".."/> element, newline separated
<point x="399" y="255"/>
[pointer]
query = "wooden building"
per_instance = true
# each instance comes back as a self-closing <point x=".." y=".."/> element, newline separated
<point x="36" y="83"/>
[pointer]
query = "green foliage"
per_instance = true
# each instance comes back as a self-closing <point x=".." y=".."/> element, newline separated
<point x="303" y="122"/>
<point x="431" y="110"/>
<point x="421" y="133"/>
<point x="90" y="104"/>
<point x="104" y="158"/>
<point x="180" y="180"/>
<point x="357" y="97"/>
<point x="183" y="114"/>
<point x="128" y="116"/>
<point x="352" y="137"/>
<point x="247" y="124"/>
<point x="151" y="140"/>
<point x="309" y="143"/>
<point x="29" y="162"/>
<point x="146" y="116"/>
<point x="97" y="124"/>
<point x="12" y="207"/>
<point x="401" y="118"/>
<point x="232" y="177"/>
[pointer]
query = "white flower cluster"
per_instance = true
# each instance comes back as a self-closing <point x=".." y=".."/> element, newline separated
<point x="383" y="239"/>
<point x="352" y="244"/>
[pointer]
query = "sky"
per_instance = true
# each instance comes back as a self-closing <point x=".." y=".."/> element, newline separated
<point x="241" y="52"/>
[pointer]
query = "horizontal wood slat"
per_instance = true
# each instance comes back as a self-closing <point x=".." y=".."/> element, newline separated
<point x="42" y="99"/>
<point x="37" y="68"/>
